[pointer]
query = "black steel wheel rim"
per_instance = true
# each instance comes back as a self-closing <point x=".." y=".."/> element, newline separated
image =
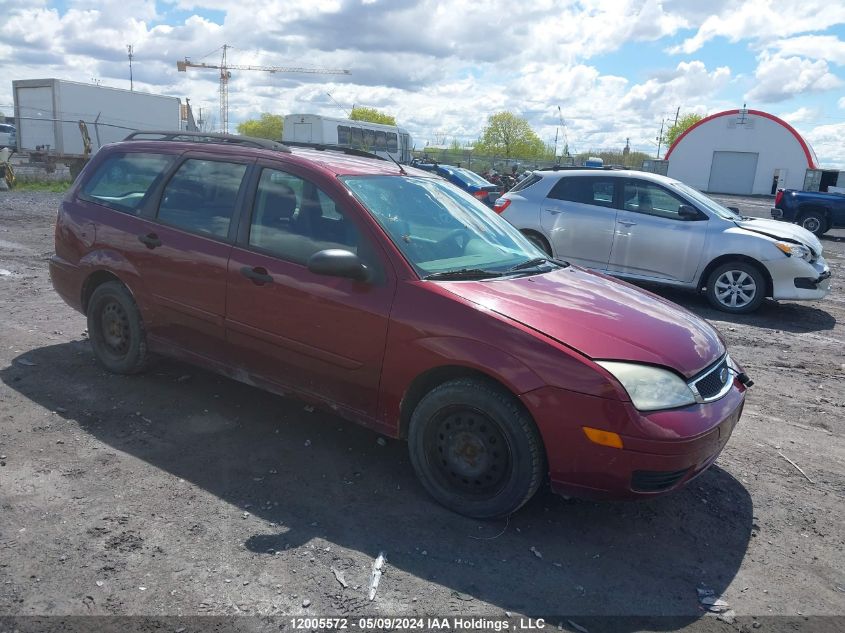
<point x="468" y="452"/>
<point x="115" y="332"/>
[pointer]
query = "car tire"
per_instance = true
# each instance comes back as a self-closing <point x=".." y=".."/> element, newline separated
<point x="736" y="287"/>
<point x="475" y="448"/>
<point x="539" y="241"/>
<point x="814" y="222"/>
<point x="116" y="330"/>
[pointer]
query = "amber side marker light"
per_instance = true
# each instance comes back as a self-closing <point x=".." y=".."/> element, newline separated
<point x="604" y="438"/>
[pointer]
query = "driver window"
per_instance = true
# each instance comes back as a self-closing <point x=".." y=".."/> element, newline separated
<point x="293" y="219"/>
<point x="646" y="197"/>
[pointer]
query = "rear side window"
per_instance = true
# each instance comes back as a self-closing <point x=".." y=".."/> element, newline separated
<point x="201" y="196"/>
<point x="533" y="179"/>
<point x="649" y="198"/>
<point x="122" y="181"/>
<point x="586" y="190"/>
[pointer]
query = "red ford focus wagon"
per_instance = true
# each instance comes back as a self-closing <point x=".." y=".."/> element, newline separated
<point x="400" y="302"/>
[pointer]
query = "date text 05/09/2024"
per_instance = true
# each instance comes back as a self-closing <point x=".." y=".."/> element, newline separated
<point x="418" y="624"/>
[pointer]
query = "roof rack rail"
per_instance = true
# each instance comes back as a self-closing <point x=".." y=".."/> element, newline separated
<point x="206" y="137"/>
<point x="350" y="151"/>
<point x="580" y="167"/>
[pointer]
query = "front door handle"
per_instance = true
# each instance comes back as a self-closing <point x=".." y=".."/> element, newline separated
<point x="258" y="275"/>
<point x="150" y="240"/>
<point x="627" y="222"/>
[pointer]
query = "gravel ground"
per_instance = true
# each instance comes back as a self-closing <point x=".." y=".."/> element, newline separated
<point x="181" y="493"/>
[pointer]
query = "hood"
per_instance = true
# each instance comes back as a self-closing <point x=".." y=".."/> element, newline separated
<point x="600" y="317"/>
<point x="781" y="231"/>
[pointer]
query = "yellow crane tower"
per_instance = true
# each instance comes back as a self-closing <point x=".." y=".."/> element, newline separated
<point x="224" y="68"/>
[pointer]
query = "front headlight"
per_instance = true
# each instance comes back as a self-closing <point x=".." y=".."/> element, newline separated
<point x="650" y="388"/>
<point x="795" y="250"/>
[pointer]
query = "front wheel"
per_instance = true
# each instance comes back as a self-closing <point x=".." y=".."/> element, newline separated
<point x="475" y="449"/>
<point x="736" y="287"/>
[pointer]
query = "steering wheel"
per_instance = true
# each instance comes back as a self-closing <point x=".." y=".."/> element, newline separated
<point x="457" y="237"/>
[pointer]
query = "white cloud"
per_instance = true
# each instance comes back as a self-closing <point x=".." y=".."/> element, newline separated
<point x="841" y="103"/>
<point x="756" y="19"/>
<point x="801" y="115"/>
<point x="827" y="142"/>
<point x="827" y="47"/>
<point x="780" y="78"/>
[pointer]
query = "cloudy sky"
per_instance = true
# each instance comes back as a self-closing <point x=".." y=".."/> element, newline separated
<point x="615" y="68"/>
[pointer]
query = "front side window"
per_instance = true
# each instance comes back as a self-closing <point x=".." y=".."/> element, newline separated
<point x="585" y="190"/>
<point x="293" y="219"/>
<point x="201" y="196"/>
<point x="652" y="199"/>
<point x="439" y="228"/>
<point x="122" y="181"/>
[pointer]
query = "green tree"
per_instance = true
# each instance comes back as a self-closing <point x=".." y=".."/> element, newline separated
<point x="509" y="135"/>
<point x="683" y="124"/>
<point x="268" y="126"/>
<point x="371" y="115"/>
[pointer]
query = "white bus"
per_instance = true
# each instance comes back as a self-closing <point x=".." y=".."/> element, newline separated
<point x="383" y="140"/>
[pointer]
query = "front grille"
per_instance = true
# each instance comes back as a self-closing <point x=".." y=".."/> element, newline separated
<point x="656" y="480"/>
<point x="713" y="383"/>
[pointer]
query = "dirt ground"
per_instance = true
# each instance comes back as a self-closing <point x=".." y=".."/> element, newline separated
<point x="181" y="493"/>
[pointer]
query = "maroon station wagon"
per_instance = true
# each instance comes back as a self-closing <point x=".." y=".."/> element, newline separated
<point x="397" y="300"/>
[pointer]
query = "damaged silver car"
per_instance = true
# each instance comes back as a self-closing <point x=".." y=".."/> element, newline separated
<point x="646" y="227"/>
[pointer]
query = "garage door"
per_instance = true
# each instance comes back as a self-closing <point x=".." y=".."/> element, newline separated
<point x="732" y="172"/>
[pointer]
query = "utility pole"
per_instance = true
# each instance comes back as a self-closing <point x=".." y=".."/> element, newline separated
<point x="677" y="114"/>
<point x="660" y="137"/>
<point x="131" y="55"/>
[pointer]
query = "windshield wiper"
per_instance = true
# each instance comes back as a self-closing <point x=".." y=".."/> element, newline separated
<point x="531" y="263"/>
<point x="464" y="273"/>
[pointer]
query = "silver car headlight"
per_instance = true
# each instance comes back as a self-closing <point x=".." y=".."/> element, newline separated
<point x="795" y="250"/>
<point x="650" y="388"/>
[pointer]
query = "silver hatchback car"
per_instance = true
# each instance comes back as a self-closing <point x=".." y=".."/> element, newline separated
<point x="646" y="227"/>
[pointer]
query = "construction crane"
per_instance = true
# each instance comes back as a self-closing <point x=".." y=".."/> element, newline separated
<point x="224" y="68"/>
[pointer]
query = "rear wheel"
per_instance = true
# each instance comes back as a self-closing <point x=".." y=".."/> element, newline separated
<point x="737" y="287"/>
<point x="814" y="222"/>
<point x="116" y="330"/>
<point x="539" y="241"/>
<point x="475" y="449"/>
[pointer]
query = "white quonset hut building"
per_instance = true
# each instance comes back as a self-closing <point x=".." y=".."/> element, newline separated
<point x="741" y="152"/>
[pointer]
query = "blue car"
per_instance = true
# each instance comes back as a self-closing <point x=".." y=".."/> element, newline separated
<point x="469" y="181"/>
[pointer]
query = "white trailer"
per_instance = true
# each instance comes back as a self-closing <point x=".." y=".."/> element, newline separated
<point x="50" y="113"/>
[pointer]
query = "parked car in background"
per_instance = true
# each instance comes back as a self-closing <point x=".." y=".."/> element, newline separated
<point x="646" y="227"/>
<point x="389" y="296"/>
<point x="472" y="183"/>
<point x="816" y="211"/>
<point x="8" y="136"/>
<point x="477" y="186"/>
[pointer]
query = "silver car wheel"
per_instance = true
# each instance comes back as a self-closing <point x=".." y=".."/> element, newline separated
<point x="735" y="288"/>
<point x="812" y="224"/>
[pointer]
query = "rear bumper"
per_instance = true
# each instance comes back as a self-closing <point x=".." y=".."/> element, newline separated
<point x="692" y="439"/>
<point x="67" y="281"/>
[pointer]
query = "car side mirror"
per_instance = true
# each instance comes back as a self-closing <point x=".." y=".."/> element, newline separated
<point x="687" y="212"/>
<point x="338" y="262"/>
<point x="735" y="210"/>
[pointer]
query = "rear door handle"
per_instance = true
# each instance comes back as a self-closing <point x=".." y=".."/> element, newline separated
<point x="150" y="240"/>
<point x="553" y="211"/>
<point x="258" y="275"/>
<point x="627" y="222"/>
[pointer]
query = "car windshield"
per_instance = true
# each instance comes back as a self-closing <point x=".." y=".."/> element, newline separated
<point x="708" y="203"/>
<point x="441" y="230"/>
<point x="469" y="177"/>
